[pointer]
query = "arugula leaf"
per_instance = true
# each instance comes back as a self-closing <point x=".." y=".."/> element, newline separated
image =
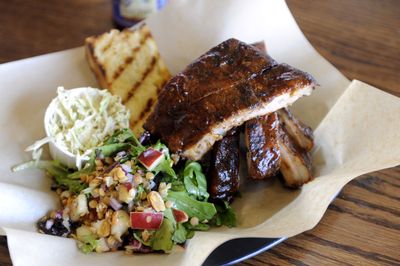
<point x="162" y="238"/>
<point x="195" y="181"/>
<point x="165" y="165"/>
<point x="181" y="234"/>
<point x="89" y="244"/>
<point x="73" y="185"/>
<point x="87" y="239"/>
<point x="137" y="236"/>
<point x="198" y="227"/>
<point x="193" y="208"/>
<point x="55" y="169"/>
<point x="225" y="215"/>
<point x="120" y="136"/>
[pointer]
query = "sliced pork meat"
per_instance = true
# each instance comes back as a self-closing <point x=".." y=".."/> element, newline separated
<point x="230" y="84"/>
<point x="296" y="165"/>
<point x="223" y="173"/>
<point x="263" y="154"/>
<point x="299" y="132"/>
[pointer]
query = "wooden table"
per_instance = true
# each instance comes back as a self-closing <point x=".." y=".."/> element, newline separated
<point x="360" y="37"/>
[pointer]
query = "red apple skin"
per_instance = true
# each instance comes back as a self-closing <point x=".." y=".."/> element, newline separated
<point x="140" y="220"/>
<point x="180" y="216"/>
<point x="149" y="157"/>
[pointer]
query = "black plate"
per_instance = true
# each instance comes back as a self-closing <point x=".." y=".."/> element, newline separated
<point x="237" y="250"/>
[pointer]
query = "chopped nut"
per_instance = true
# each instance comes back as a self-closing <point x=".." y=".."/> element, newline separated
<point x="139" y="208"/>
<point x="137" y="179"/>
<point x="102" y="193"/>
<point x="104" y="229"/>
<point x="65" y="194"/>
<point x="149" y="176"/>
<point x="92" y="204"/>
<point x="145" y="235"/>
<point x="112" y="242"/>
<point x="119" y="172"/>
<point x="98" y="162"/>
<point x="163" y="189"/>
<point x="109" y="214"/>
<point x="101" y="209"/>
<point x="59" y="191"/>
<point x="168" y="204"/>
<point x="95" y="193"/>
<point x="94" y="182"/>
<point x="106" y="200"/>
<point x="156" y="201"/>
<point x="194" y="221"/>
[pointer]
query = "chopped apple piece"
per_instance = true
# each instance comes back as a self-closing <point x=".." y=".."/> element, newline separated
<point x="146" y="220"/>
<point x="180" y="216"/>
<point x="150" y="158"/>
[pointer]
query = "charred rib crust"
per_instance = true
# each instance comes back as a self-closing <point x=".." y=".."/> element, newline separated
<point x="223" y="176"/>
<point x="263" y="154"/>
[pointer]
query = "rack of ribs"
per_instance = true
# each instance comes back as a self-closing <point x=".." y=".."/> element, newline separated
<point x="232" y="83"/>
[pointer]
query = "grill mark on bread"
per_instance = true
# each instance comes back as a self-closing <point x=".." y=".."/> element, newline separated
<point x="105" y="48"/>
<point x="159" y="88"/>
<point x="95" y="59"/>
<point x="149" y="105"/>
<point x="129" y="60"/>
<point x="137" y="84"/>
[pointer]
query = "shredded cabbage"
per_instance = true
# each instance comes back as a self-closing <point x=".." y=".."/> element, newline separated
<point x="82" y="120"/>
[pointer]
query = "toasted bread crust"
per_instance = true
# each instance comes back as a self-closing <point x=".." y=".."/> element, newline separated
<point x="128" y="64"/>
<point x="97" y="68"/>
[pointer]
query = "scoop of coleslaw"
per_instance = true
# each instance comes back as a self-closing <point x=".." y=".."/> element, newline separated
<point x="78" y="120"/>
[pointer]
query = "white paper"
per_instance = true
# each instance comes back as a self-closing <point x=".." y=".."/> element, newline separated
<point x="346" y="140"/>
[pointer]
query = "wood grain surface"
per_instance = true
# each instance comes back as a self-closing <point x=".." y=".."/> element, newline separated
<point x="360" y="37"/>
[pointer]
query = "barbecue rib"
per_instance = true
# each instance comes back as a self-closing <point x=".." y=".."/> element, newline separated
<point x="223" y="174"/>
<point x="263" y="154"/>
<point x="295" y="162"/>
<point x="299" y="132"/>
<point x="230" y="84"/>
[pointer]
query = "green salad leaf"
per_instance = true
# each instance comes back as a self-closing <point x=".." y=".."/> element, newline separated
<point x="193" y="208"/>
<point x="195" y="181"/>
<point x="162" y="238"/>
<point x="225" y="215"/>
<point x="165" y="165"/>
<point x="60" y="173"/>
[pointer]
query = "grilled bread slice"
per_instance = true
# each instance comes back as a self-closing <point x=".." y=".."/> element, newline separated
<point x="128" y="64"/>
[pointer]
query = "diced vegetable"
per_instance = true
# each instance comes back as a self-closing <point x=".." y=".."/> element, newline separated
<point x="146" y="220"/>
<point x="119" y="224"/>
<point x="78" y="207"/>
